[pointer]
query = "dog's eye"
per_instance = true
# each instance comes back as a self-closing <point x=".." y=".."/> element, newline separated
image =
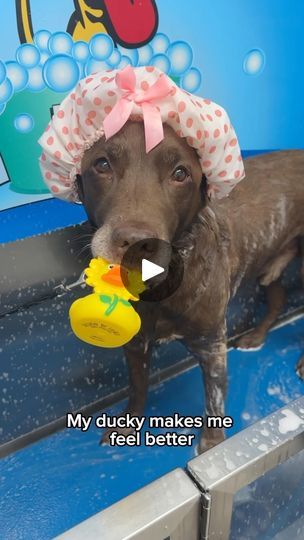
<point x="102" y="165"/>
<point x="180" y="174"/>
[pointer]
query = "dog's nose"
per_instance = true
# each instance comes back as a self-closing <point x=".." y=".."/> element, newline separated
<point x="125" y="236"/>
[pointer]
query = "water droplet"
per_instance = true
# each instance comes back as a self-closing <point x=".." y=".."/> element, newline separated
<point x="254" y="62"/>
<point x="35" y="82"/>
<point x="180" y="55"/>
<point x="145" y="54"/>
<point x="28" y="55"/>
<point x="61" y="73"/>
<point x="101" y="46"/>
<point x="161" y="62"/>
<point x="191" y="81"/>
<point x="6" y="91"/>
<point x="60" y="43"/>
<point x="18" y="75"/>
<point x="24" y="123"/>
<point x="160" y="43"/>
<point x="41" y="39"/>
<point x="81" y="51"/>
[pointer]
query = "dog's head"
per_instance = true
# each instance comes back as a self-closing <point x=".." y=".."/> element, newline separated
<point x="131" y="195"/>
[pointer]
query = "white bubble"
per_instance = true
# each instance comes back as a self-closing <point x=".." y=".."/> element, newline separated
<point x="24" y="123"/>
<point x="41" y="39"/>
<point x="114" y="59"/>
<point x="101" y="46"/>
<point x="35" y="82"/>
<point x="61" y="73"/>
<point x="44" y="56"/>
<point x="60" y="43"/>
<point x="94" y="66"/>
<point x="161" y="61"/>
<point x="18" y="75"/>
<point x="80" y="51"/>
<point x="254" y="62"/>
<point x="180" y="55"/>
<point x="2" y="72"/>
<point x="124" y="62"/>
<point x="145" y="54"/>
<point x="132" y="54"/>
<point x="191" y="81"/>
<point x="160" y="43"/>
<point x="6" y="91"/>
<point x="28" y="55"/>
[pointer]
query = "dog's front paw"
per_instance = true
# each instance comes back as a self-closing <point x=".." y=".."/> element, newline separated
<point x="252" y="341"/>
<point x="300" y="368"/>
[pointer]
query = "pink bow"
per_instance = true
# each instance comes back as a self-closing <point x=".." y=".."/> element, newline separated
<point x="122" y="109"/>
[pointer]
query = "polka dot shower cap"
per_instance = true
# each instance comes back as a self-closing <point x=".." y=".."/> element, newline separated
<point x="102" y="103"/>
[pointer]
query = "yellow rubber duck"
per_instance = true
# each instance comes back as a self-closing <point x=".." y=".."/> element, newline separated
<point x="106" y="318"/>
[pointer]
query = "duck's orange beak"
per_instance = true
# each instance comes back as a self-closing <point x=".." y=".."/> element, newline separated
<point x="113" y="276"/>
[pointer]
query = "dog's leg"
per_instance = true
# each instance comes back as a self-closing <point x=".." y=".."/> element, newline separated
<point x="276" y="299"/>
<point x="212" y="357"/>
<point x="138" y="358"/>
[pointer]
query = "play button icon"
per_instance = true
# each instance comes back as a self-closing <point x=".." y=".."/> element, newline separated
<point x="160" y="265"/>
<point x="150" y="270"/>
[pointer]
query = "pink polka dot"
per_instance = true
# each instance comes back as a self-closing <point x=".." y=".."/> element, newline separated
<point x="150" y="69"/>
<point x="173" y="91"/>
<point x="207" y="101"/>
<point x="92" y="114"/>
<point x="70" y="146"/>
<point x="179" y="133"/>
<point x="104" y="79"/>
<point x="233" y="142"/>
<point x="60" y="114"/>
<point x="225" y="128"/>
<point x="88" y="122"/>
<point x="209" y="117"/>
<point x="97" y="101"/>
<point x="57" y="154"/>
<point x="72" y="96"/>
<point x="48" y="175"/>
<point x="67" y="184"/>
<point x="78" y="146"/>
<point x="240" y="158"/>
<point x="54" y="189"/>
<point x="65" y="130"/>
<point x="111" y="79"/>
<point x="50" y="141"/>
<point x="89" y="79"/>
<point x="228" y="158"/>
<point x="216" y="133"/>
<point x="144" y="85"/>
<point x="212" y="149"/>
<point x="190" y="141"/>
<point x="222" y="174"/>
<point x="181" y="106"/>
<point x="199" y="134"/>
<point x="171" y="114"/>
<point x="107" y="109"/>
<point x="55" y="164"/>
<point x="189" y="122"/>
<point x="236" y="174"/>
<point x="111" y="93"/>
<point x="206" y="133"/>
<point x="43" y="157"/>
<point x="218" y="112"/>
<point x="47" y="127"/>
<point x="84" y="92"/>
<point x="76" y="131"/>
<point x="206" y="163"/>
<point x="79" y="101"/>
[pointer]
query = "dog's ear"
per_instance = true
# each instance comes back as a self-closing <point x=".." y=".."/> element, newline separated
<point x="203" y="190"/>
<point x="79" y="187"/>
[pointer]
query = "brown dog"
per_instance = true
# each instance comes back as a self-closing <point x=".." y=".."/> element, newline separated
<point x="131" y="195"/>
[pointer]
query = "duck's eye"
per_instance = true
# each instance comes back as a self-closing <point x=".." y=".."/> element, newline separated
<point x="102" y="165"/>
<point x="180" y="174"/>
<point x="111" y="266"/>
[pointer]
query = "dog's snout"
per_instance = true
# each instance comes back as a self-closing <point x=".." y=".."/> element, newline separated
<point x="125" y="236"/>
